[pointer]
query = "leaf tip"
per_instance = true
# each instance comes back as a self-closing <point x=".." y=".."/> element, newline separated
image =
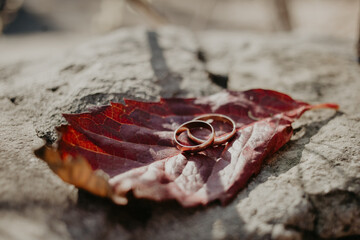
<point x="40" y="152"/>
<point x="119" y="200"/>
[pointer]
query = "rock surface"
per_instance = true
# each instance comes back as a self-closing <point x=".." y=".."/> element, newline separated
<point x="310" y="189"/>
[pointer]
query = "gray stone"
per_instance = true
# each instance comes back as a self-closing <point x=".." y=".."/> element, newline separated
<point x="313" y="183"/>
<point x="133" y="63"/>
<point x="309" y="189"/>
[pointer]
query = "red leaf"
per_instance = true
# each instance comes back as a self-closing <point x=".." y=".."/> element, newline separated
<point x="133" y="145"/>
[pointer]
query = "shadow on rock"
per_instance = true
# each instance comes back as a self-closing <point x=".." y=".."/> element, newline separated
<point x="91" y="213"/>
<point x="164" y="76"/>
<point x="290" y="154"/>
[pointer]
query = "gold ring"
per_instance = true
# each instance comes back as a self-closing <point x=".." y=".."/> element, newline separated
<point x="194" y="124"/>
<point x="219" y="117"/>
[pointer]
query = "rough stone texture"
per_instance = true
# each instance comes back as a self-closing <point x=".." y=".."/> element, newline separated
<point x="133" y="63"/>
<point x="319" y="170"/>
<point x="313" y="70"/>
<point x="310" y="189"/>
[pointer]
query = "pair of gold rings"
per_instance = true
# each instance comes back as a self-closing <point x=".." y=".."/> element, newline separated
<point x="202" y="122"/>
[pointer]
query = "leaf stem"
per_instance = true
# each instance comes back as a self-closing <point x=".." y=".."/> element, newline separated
<point x="325" y="105"/>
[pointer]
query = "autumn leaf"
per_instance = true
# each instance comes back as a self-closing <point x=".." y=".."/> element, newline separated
<point x="118" y="149"/>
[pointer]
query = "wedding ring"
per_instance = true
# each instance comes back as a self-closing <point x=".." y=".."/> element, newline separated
<point x="217" y="140"/>
<point x="194" y="124"/>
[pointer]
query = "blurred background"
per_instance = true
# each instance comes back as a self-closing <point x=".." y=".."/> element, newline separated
<point x="34" y="28"/>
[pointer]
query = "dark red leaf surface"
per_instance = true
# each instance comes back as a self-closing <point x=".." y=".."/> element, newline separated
<point x="133" y="145"/>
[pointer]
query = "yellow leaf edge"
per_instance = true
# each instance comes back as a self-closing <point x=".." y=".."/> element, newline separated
<point x="78" y="172"/>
